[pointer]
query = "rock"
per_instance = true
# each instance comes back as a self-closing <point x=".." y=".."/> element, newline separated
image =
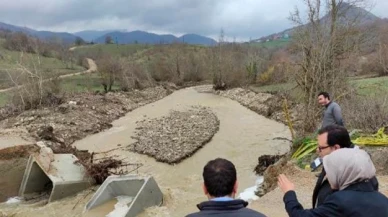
<point x="63" y="108"/>
<point x="271" y="176"/>
<point x="46" y="132"/>
<point x="30" y="118"/>
<point x="73" y="122"/>
<point x="46" y="156"/>
<point x="379" y="158"/>
<point x="265" y="161"/>
<point x="41" y="144"/>
<point x="259" y="108"/>
<point x="268" y="105"/>
<point x="174" y="137"/>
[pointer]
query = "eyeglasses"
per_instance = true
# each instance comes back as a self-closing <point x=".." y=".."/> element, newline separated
<point x="320" y="148"/>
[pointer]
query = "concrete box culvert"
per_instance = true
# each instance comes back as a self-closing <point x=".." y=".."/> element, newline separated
<point x="144" y="191"/>
<point x="58" y="175"/>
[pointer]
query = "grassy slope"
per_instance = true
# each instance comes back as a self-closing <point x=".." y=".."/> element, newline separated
<point x="113" y="49"/>
<point x="365" y="86"/>
<point x="143" y="53"/>
<point x="273" y="44"/>
<point x="83" y="83"/>
<point x="51" y="67"/>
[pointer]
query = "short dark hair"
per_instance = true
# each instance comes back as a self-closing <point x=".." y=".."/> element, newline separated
<point x="220" y="177"/>
<point x="325" y="94"/>
<point x="336" y="135"/>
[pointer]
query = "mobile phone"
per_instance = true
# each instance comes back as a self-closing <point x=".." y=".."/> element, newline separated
<point x="315" y="164"/>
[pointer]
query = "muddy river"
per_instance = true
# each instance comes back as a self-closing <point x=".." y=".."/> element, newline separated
<point x="242" y="137"/>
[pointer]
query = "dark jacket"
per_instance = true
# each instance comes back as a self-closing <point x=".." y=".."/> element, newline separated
<point x="233" y="208"/>
<point x="357" y="200"/>
<point x="322" y="189"/>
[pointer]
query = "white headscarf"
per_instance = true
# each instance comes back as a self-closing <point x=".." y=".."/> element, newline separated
<point x="347" y="166"/>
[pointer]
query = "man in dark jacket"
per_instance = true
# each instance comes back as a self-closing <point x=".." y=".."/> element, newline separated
<point x="331" y="138"/>
<point x="220" y="186"/>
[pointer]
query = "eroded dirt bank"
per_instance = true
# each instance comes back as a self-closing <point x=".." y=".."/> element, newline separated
<point x="242" y="135"/>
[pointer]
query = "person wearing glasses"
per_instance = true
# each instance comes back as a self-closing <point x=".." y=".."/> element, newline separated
<point x="330" y="139"/>
<point x="349" y="174"/>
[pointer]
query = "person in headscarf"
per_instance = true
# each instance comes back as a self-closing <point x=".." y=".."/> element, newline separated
<point x="349" y="172"/>
<point x="330" y="139"/>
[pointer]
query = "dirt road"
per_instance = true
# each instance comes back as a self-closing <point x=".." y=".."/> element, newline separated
<point x="92" y="68"/>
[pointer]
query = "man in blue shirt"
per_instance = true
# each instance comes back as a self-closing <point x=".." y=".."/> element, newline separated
<point x="220" y="186"/>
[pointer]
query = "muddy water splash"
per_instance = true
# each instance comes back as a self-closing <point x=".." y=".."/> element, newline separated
<point x="243" y="136"/>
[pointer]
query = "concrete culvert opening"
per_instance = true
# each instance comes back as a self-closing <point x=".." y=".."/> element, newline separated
<point x="124" y="196"/>
<point x="13" y="161"/>
<point x="38" y="183"/>
<point x="54" y="174"/>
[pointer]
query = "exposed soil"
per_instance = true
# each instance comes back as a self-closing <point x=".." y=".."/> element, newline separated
<point x="13" y="161"/>
<point x="84" y="115"/>
<point x="269" y="105"/>
<point x="81" y="114"/>
<point x="271" y="204"/>
<point x="265" y="161"/>
<point x="380" y="159"/>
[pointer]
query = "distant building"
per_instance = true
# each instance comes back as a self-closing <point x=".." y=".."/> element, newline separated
<point x="286" y="36"/>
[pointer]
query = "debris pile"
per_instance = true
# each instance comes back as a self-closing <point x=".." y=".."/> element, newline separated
<point x="172" y="138"/>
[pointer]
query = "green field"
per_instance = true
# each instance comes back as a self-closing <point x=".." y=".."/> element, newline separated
<point x="366" y="86"/>
<point x="273" y="44"/>
<point x="148" y="53"/>
<point x="83" y="83"/>
<point x="12" y="62"/>
<point x="73" y="84"/>
<point x="112" y="49"/>
<point x="371" y="86"/>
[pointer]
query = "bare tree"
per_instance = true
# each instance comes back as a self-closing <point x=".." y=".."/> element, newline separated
<point x="31" y="87"/>
<point x="79" y="41"/>
<point x="383" y="48"/>
<point x="320" y="44"/>
<point x="109" y="70"/>
<point x="108" y="39"/>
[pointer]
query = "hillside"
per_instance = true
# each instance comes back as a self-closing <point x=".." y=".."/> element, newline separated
<point x="12" y="62"/>
<point x="44" y="35"/>
<point x="90" y="35"/>
<point x="363" y="16"/>
<point x="196" y="39"/>
<point x="142" y="37"/>
<point x="118" y="36"/>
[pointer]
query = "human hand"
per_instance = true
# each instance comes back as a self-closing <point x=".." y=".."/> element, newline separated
<point x="285" y="184"/>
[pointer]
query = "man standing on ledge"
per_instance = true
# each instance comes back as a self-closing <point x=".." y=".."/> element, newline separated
<point x="332" y="114"/>
<point x="220" y="187"/>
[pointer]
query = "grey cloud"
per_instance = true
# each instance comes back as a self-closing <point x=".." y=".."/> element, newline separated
<point x="239" y="18"/>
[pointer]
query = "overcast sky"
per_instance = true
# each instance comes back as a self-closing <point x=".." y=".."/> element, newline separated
<point x="239" y="18"/>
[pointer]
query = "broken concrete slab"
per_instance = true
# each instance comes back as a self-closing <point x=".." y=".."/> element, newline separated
<point x="57" y="174"/>
<point x="15" y="137"/>
<point x="144" y="190"/>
